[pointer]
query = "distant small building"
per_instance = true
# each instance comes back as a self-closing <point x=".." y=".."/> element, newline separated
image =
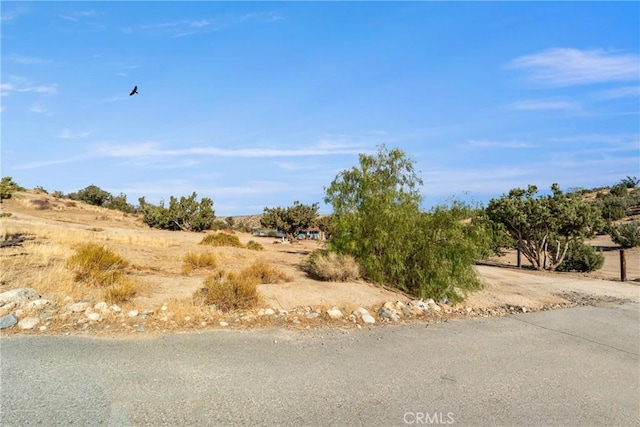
<point x="311" y="233"/>
<point x="267" y="232"/>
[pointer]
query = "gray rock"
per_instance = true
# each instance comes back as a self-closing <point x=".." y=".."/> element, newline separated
<point x="418" y="303"/>
<point x="28" y="323"/>
<point x="312" y="315"/>
<point x="368" y="319"/>
<point x="387" y="313"/>
<point x="18" y="296"/>
<point x="269" y="312"/>
<point x="132" y="313"/>
<point x="406" y="312"/>
<point x="8" y="321"/>
<point x="93" y="316"/>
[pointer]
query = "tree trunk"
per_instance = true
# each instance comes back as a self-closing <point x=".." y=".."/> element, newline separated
<point x="623" y="266"/>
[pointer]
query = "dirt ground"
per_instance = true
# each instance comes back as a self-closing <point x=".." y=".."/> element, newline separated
<point x="156" y="258"/>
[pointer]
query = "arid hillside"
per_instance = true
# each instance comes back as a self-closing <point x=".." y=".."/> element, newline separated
<point x="166" y="292"/>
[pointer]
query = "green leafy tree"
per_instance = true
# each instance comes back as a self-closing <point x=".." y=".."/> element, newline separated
<point x="230" y="221"/>
<point x="186" y="213"/>
<point x="92" y="195"/>
<point x="627" y="234"/>
<point x="377" y="220"/>
<point x="290" y="220"/>
<point x="7" y="187"/>
<point x="376" y="206"/>
<point x="630" y="181"/>
<point x="325" y="224"/>
<point x="534" y="221"/>
<point x="120" y="203"/>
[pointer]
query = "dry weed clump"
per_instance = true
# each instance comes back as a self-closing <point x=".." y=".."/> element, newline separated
<point x="193" y="261"/>
<point x="221" y="239"/>
<point x="332" y="267"/>
<point x="265" y="273"/>
<point x="230" y="291"/>
<point x="254" y="246"/>
<point x="96" y="265"/>
<point x="120" y="291"/>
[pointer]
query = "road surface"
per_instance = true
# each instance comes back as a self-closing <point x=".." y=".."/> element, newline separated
<point x="577" y="366"/>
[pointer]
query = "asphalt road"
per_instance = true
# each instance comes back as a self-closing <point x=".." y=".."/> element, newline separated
<point x="578" y="366"/>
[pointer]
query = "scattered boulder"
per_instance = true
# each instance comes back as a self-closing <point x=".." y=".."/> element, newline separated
<point x="18" y="296"/>
<point x="132" y="313"/>
<point x="28" y="323"/>
<point x="368" y="319"/>
<point x="79" y="307"/>
<point x="38" y="303"/>
<point x="93" y="316"/>
<point x="101" y="306"/>
<point x="8" y="321"/>
<point x="334" y="313"/>
<point x="388" y="313"/>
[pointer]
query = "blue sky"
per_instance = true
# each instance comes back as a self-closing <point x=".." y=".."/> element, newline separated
<point x="257" y="104"/>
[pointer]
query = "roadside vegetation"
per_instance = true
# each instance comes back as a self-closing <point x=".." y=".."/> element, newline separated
<point x="96" y="266"/>
<point x="376" y="232"/>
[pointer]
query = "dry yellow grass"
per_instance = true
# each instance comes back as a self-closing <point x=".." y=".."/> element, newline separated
<point x="193" y="261"/>
<point x="266" y="273"/>
<point x="230" y="291"/>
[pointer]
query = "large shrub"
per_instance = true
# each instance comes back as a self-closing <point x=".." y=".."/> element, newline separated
<point x="186" y="214"/>
<point x="7" y="187"/>
<point x="221" y="239"/>
<point x="92" y="195"/>
<point x="377" y="220"/>
<point x="582" y="258"/>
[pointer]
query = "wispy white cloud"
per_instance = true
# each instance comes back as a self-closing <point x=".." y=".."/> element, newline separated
<point x="568" y="67"/>
<point x="621" y="92"/>
<point x="78" y="15"/>
<point x="542" y="104"/>
<point x="46" y="163"/>
<point x="6" y="89"/>
<point x="10" y="15"/>
<point x="496" y="144"/>
<point x="67" y="134"/>
<point x="187" y="27"/>
<point x="154" y="149"/>
<point x="179" y="28"/>
<point x="27" y="60"/>
<point x="115" y="99"/>
<point x="22" y="84"/>
<point x="2" y="108"/>
<point x="38" y="109"/>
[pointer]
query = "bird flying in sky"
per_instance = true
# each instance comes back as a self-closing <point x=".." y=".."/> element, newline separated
<point x="134" y="91"/>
